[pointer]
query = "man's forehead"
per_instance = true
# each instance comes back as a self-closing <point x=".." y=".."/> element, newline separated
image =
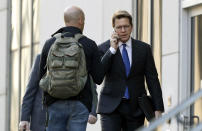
<point x="122" y="21"/>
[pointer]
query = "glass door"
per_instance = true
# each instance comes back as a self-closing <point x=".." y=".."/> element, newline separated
<point x="196" y="67"/>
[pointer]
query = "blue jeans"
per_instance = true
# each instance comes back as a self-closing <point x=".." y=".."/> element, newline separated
<point x="67" y="115"/>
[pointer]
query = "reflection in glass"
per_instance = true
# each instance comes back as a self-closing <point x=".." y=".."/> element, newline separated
<point x="26" y="22"/>
<point x="156" y="34"/>
<point x="149" y="23"/>
<point x="143" y="18"/>
<point x="22" y="52"/>
<point x="197" y="62"/>
<point x="14" y="111"/>
<point x="25" y="69"/>
<point x="15" y="22"/>
<point x="36" y="21"/>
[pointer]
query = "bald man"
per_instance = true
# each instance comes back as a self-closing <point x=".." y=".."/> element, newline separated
<point x="72" y="114"/>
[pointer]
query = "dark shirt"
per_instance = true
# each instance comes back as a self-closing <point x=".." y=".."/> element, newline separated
<point x="93" y="64"/>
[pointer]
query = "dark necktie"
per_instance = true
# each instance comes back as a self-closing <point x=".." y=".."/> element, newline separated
<point x="127" y="67"/>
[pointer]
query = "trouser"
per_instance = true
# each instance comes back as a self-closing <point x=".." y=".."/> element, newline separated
<point x="122" y="119"/>
<point x="67" y="115"/>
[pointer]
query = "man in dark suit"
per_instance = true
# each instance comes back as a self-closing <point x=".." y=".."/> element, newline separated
<point x="32" y="102"/>
<point x="127" y="63"/>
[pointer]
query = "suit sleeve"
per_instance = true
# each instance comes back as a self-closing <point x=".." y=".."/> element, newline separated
<point x="153" y="81"/>
<point x="96" y="66"/>
<point x="95" y="100"/>
<point x="106" y="56"/>
<point x="31" y="90"/>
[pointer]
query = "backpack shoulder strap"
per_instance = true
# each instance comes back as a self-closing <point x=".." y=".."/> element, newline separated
<point x="58" y="35"/>
<point x="61" y="35"/>
<point x="78" y="36"/>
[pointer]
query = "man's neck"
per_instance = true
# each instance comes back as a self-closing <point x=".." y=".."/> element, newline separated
<point x="73" y="25"/>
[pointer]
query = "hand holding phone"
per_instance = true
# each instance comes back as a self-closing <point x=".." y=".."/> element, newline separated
<point x="114" y="40"/>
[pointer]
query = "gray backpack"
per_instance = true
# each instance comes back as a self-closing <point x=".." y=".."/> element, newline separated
<point x="66" y="68"/>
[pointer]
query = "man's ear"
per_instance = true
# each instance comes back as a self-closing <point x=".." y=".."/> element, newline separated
<point x="81" y="20"/>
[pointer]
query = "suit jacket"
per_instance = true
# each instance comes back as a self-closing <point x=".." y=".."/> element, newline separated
<point x="32" y="101"/>
<point x="143" y="67"/>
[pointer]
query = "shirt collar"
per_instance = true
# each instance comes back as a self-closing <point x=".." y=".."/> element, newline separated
<point x="72" y="29"/>
<point x="128" y="43"/>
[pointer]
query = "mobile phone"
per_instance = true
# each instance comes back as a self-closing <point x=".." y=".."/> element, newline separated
<point x="118" y="38"/>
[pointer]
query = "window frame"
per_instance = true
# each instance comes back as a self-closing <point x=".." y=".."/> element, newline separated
<point x="188" y="10"/>
<point x="31" y="50"/>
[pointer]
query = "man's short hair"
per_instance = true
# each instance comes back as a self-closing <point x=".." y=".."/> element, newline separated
<point x="121" y="14"/>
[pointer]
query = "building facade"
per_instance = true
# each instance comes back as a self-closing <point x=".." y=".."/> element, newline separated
<point x="172" y="27"/>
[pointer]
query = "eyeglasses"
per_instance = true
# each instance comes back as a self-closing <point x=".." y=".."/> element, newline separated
<point x="125" y="27"/>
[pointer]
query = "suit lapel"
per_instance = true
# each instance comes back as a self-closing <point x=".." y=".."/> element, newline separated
<point x="134" y="56"/>
<point x="118" y="61"/>
<point x="118" y="58"/>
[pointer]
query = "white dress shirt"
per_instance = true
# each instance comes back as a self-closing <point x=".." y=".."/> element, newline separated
<point x="128" y="48"/>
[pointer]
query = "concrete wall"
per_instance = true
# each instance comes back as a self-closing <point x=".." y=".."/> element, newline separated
<point x="170" y="56"/>
<point x="98" y="17"/>
<point x="3" y="38"/>
<point x="52" y="21"/>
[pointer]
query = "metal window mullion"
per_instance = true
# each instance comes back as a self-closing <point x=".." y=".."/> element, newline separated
<point x="136" y="29"/>
<point x="160" y="2"/>
<point x="32" y="40"/>
<point x="151" y="23"/>
<point x="20" y="54"/>
<point x="8" y="81"/>
<point x="193" y="19"/>
<point x="135" y="18"/>
<point x="139" y="15"/>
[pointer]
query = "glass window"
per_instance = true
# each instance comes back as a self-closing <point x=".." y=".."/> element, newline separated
<point x="143" y="20"/>
<point x="36" y="21"/>
<point x="149" y="27"/>
<point x="14" y="107"/>
<point x="196" y="64"/>
<point x="15" y="45"/>
<point x="15" y="20"/>
<point x="25" y="69"/>
<point x="26" y="22"/>
<point x="24" y="47"/>
<point x="156" y="33"/>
